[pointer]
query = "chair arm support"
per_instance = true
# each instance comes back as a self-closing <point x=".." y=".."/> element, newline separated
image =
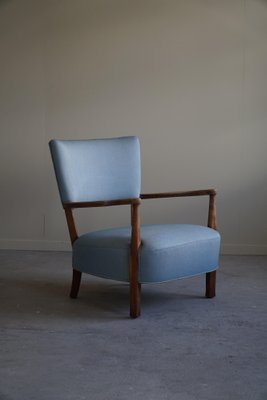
<point x="204" y="192"/>
<point x="68" y="207"/>
<point x="71" y="225"/>
<point x="212" y="219"/>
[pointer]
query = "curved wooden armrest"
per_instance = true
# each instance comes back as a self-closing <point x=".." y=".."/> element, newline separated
<point x="204" y="192"/>
<point x="102" y="203"/>
<point x="212" y="220"/>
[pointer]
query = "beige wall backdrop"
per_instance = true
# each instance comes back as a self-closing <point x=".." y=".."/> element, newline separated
<point x="189" y="77"/>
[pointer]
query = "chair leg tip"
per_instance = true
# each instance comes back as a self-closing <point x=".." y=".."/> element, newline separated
<point x="210" y="295"/>
<point x="135" y="314"/>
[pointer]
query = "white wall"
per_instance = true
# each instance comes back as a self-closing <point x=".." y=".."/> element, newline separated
<point x="187" y="76"/>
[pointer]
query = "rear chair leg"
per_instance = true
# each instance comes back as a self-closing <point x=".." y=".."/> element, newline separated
<point x="75" y="286"/>
<point x="211" y="284"/>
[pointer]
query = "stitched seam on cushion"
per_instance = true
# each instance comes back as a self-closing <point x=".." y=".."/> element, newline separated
<point x="183" y="245"/>
<point x="155" y="250"/>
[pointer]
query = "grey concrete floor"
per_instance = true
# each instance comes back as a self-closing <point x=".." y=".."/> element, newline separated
<point x="183" y="347"/>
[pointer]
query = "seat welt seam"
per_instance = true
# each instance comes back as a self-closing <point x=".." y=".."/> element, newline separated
<point x="184" y="244"/>
<point x="154" y="250"/>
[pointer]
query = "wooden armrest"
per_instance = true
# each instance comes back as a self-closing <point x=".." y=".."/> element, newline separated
<point x="204" y="192"/>
<point x="103" y="203"/>
<point x="212" y="220"/>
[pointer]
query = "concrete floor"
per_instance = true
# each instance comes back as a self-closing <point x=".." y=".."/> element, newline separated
<point x="183" y="347"/>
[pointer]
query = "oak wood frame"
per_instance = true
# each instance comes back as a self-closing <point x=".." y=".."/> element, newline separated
<point x="212" y="223"/>
<point x="135" y="286"/>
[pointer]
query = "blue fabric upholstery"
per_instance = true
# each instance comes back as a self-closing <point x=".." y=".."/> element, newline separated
<point x="94" y="170"/>
<point x="167" y="252"/>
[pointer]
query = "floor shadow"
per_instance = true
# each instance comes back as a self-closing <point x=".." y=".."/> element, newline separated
<point x="97" y="298"/>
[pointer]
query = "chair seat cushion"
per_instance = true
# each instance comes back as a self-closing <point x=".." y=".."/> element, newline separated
<point x="167" y="252"/>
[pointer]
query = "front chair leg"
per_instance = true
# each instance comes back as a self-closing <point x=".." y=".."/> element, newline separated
<point x="211" y="284"/>
<point x="75" y="286"/>
<point x="135" y="286"/>
<point x="135" y="296"/>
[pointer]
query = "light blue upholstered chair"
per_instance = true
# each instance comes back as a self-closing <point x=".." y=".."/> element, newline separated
<point x="106" y="172"/>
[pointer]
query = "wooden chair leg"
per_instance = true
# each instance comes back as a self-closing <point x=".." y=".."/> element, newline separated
<point x="211" y="284"/>
<point x="75" y="286"/>
<point x="135" y="296"/>
<point x="135" y="286"/>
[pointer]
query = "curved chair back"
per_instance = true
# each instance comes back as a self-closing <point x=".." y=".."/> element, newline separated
<point x="97" y="169"/>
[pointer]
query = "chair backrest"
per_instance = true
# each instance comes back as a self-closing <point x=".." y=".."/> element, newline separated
<point x="97" y="169"/>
